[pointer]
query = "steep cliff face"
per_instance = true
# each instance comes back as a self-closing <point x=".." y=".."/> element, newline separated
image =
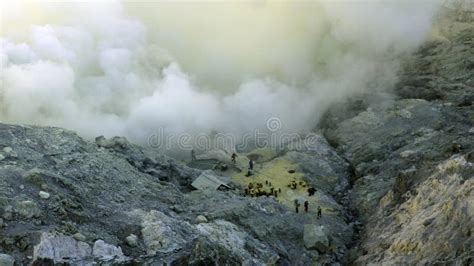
<point x="411" y="152"/>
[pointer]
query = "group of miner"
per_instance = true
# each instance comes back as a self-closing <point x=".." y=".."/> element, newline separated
<point x="255" y="189"/>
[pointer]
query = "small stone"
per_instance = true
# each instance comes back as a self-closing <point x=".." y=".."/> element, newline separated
<point x="132" y="240"/>
<point x="7" y="149"/>
<point x="428" y="221"/>
<point x="177" y="208"/>
<point x="22" y="187"/>
<point x="44" y="195"/>
<point x="201" y="219"/>
<point x="8" y="212"/>
<point x="101" y="141"/>
<point x="471" y="130"/>
<point x="407" y="153"/>
<point x="79" y="237"/>
<point x="6" y="260"/>
<point x="44" y="186"/>
<point x="2" y="157"/>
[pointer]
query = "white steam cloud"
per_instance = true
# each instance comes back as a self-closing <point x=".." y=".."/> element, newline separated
<point x="112" y="68"/>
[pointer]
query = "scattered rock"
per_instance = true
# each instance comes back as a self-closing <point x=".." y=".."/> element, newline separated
<point x="86" y="183"/>
<point x="7" y="149"/>
<point x="60" y="249"/>
<point x="6" y="260"/>
<point x="315" y="237"/>
<point x="201" y="219"/>
<point x="44" y="195"/>
<point x="22" y="187"/>
<point x="132" y="240"/>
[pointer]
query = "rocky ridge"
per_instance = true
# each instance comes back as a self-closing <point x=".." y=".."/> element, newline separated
<point x="411" y="153"/>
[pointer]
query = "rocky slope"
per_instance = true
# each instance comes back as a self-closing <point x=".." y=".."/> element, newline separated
<point x="67" y="200"/>
<point x="412" y="154"/>
<point x="63" y="199"/>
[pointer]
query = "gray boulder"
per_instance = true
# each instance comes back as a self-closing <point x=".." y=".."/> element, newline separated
<point x="59" y="248"/>
<point x="44" y="195"/>
<point x="6" y="260"/>
<point x="163" y="234"/>
<point x="65" y="249"/>
<point x="132" y="240"/>
<point x="79" y="237"/>
<point x="201" y="219"/>
<point x="236" y="243"/>
<point x="315" y="237"/>
<point x="104" y="251"/>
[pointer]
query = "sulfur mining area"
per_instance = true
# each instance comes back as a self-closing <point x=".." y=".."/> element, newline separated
<point x="131" y="132"/>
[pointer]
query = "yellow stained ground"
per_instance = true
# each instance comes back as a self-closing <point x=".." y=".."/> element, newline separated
<point x="276" y="172"/>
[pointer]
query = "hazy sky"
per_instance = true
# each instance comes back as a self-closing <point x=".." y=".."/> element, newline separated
<point x="132" y="68"/>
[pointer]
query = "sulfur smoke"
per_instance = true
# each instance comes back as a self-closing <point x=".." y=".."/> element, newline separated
<point x="133" y="68"/>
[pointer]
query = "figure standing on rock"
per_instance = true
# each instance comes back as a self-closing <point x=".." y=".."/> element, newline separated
<point x="251" y="164"/>
<point x="306" y="205"/>
<point x="193" y="155"/>
<point x="319" y="212"/>
<point x="297" y="205"/>
<point x="233" y="157"/>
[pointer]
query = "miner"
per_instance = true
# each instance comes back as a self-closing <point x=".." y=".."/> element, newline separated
<point x="297" y="205"/>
